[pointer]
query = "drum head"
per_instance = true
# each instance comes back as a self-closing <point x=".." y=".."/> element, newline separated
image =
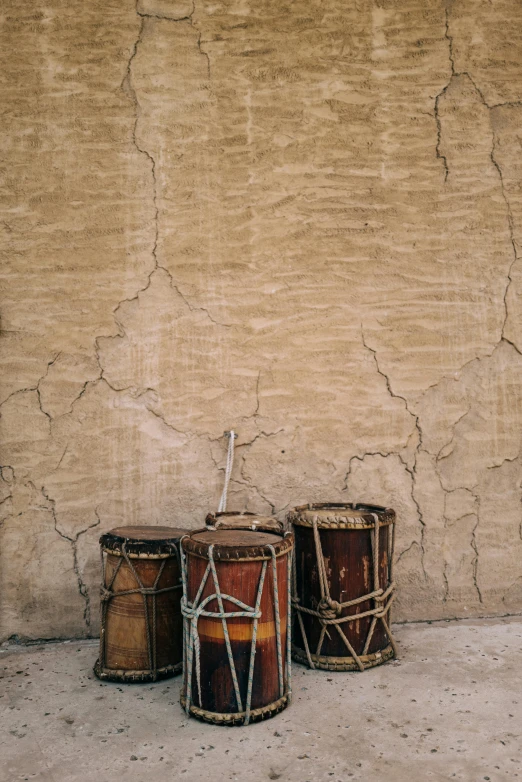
<point x="234" y="544"/>
<point x="340" y="515"/>
<point x="245" y="520"/>
<point x="142" y="540"/>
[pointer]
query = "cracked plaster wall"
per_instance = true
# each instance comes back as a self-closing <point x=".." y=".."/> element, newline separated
<point x="301" y="220"/>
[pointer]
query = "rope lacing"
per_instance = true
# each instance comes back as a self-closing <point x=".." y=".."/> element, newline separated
<point x="193" y="610"/>
<point x="107" y="593"/>
<point x="329" y="612"/>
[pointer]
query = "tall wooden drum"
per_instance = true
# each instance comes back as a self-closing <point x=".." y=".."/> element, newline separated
<point x="244" y="520"/>
<point x="236" y="608"/>
<point x="141" y="637"/>
<point x="343" y="585"/>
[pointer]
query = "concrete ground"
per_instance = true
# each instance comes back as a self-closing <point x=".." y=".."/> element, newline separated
<point x="450" y="708"/>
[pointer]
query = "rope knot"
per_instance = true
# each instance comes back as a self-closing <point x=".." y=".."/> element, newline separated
<point x="105" y="594"/>
<point x="187" y="609"/>
<point x="328" y="608"/>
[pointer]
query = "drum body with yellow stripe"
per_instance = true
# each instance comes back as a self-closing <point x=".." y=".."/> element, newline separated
<point x="237" y="602"/>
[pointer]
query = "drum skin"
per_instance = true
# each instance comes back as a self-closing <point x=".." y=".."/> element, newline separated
<point x="239" y="557"/>
<point x="244" y="520"/>
<point x="124" y="649"/>
<point x="347" y="552"/>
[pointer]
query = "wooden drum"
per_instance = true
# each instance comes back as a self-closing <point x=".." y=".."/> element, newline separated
<point x="342" y="585"/>
<point x="244" y="520"/>
<point x="236" y="609"/>
<point x="141" y="637"/>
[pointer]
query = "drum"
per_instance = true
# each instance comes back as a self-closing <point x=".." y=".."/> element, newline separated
<point x="141" y="636"/>
<point x="236" y="608"/>
<point x="342" y="587"/>
<point x="245" y="520"/>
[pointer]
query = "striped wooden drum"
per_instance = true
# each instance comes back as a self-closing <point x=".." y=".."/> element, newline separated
<point x="236" y="607"/>
<point x="141" y="624"/>
<point x="343" y="585"/>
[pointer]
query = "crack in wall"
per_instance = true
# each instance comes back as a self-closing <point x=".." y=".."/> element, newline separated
<point x="129" y="90"/>
<point x="244" y="480"/>
<point x="474" y="546"/>
<point x="440" y="455"/>
<point x="82" y="586"/>
<point x="445" y="576"/>
<point x="258" y="401"/>
<point x="202" y="51"/>
<point x="250" y="485"/>
<point x="361" y="459"/>
<point x="473" y="541"/>
<point x="438" y="152"/>
<point x="35" y="389"/>
<point x="172" y="18"/>
<point x="511" y="236"/>
<point x="164" y="16"/>
<point x="406" y="550"/>
<point x="38" y="392"/>
<point x="490" y="107"/>
<point x="412" y="471"/>
<point x="7" y="476"/>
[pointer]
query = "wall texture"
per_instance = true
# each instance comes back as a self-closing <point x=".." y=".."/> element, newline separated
<point x="298" y="219"/>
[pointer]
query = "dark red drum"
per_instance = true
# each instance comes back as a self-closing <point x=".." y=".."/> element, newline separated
<point x="141" y="624"/>
<point x="343" y="585"/>
<point x="236" y="606"/>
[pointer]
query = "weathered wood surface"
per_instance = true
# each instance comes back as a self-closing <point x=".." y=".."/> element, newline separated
<point x="349" y="564"/>
<point x="124" y="641"/>
<point x="239" y="579"/>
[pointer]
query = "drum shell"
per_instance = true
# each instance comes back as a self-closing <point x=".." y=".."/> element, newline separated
<point x="125" y="632"/>
<point x="239" y="579"/>
<point x="349" y="566"/>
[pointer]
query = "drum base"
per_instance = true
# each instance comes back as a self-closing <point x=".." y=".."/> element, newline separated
<point x="128" y="677"/>
<point x="237" y="718"/>
<point x="343" y="663"/>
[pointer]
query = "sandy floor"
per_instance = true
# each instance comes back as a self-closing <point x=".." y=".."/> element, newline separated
<point x="451" y="708"/>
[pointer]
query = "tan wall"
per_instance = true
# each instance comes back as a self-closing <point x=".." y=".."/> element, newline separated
<point x="297" y="219"/>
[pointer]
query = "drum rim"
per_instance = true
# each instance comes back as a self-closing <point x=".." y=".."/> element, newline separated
<point x="236" y="718"/>
<point x="137" y="547"/>
<point x="345" y="663"/>
<point x="303" y="515"/>
<point x="237" y="553"/>
<point x="130" y="676"/>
